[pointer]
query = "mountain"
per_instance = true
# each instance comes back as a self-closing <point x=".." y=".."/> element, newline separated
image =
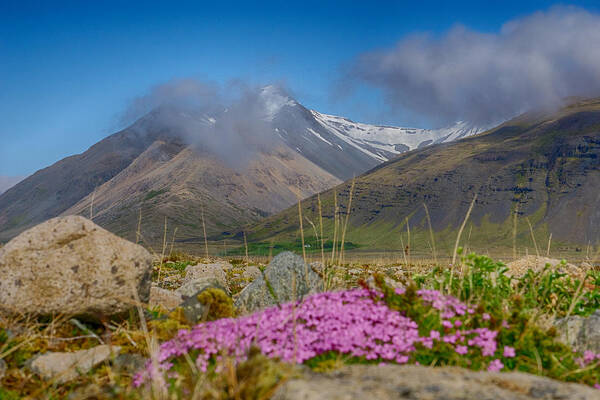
<point x="542" y="167"/>
<point x="235" y="165"/>
<point x="6" y="182"/>
<point x="347" y="148"/>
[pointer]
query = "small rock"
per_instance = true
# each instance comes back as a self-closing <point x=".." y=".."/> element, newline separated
<point x="520" y="267"/>
<point x="355" y="271"/>
<point x="286" y="278"/>
<point x="201" y="271"/>
<point x="192" y="288"/>
<point x="392" y="382"/>
<point x="581" y="333"/>
<point x="387" y="280"/>
<point x="251" y="273"/>
<point x="63" y="367"/>
<point x="167" y="299"/>
<point x="69" y="265"/>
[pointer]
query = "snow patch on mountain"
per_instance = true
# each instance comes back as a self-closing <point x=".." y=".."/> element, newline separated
<point x="390" y="140"/>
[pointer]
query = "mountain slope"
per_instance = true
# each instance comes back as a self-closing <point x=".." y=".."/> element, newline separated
<point x="344" y="147"/>
<point x="181" y="183"/>
<point x="544" y="167"/>
<point x="257" y="164"/>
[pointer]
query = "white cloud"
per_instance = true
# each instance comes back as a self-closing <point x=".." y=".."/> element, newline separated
<point x="532" y="62"/>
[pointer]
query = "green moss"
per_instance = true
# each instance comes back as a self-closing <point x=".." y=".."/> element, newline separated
<point x="153" y="193"/>
<point x="218" y="302"/>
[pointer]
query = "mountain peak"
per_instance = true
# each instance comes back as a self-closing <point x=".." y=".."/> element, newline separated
<point x="274" y="98"/>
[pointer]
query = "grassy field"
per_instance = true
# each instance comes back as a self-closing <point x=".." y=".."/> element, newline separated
<point x="528" y="306"/>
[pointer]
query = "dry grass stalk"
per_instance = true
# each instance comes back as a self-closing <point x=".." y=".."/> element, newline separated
<point x="335" y="226"/>
<point x="322" y="238"/>
<point x="164" y="248"/>
<point x="301" y="228"/>
<point x="204" y="230"/>
<point x="432" y="238"/>
<point x="514" y="231"/>
<point x="246" y="247"/>
<point x="138" y="232"/>
<point x="462" y="227"/>
<point x="537" y="252"/>
<point x="348" y="211"/>
<point x="407" y="252"/>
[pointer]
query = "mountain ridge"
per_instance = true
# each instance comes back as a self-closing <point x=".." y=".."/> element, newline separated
<point x="322" y="150"/>
<point x="543" y="167"/>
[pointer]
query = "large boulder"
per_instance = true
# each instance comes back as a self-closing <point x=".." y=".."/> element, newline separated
<point x="64" y="367"/>
<point x="69" y="265"/>
<point x="285" y="279"/>
<point x="581" y="333"/>
<point x="427" y="383"/>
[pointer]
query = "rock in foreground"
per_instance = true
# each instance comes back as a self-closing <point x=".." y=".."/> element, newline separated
<point x="425" y="383"/>
<point x="581" y="333"/>
<point x="63" y="367"/>
<point x="69" y="265"/>
<point x="285" y="279"/>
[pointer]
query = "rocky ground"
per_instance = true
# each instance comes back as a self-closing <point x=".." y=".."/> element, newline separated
<point x="81" y="312"/>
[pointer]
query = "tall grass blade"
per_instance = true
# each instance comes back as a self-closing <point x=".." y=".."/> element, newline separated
<point x="461" y="230"/>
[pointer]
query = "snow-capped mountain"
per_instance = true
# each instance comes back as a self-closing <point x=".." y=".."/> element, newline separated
<point x="237" y="162"/>
<point x="343" y="147"/>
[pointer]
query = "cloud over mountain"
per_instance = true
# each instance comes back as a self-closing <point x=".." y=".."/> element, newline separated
<point x="532" y="62"/>
<point x="232" y="120"/>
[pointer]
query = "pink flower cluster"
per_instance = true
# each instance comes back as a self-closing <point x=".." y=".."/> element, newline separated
<point x="351" y="322"/>
<point x="588" y="358"/>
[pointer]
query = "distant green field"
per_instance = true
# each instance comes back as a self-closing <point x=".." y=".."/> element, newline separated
<point x="311" y="245"/>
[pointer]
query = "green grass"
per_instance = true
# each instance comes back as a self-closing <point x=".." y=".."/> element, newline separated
<point x="312" y="245"/>
<point x="153" y="193"/>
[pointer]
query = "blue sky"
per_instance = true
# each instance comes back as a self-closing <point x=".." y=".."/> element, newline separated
<point x="67" y="70"/>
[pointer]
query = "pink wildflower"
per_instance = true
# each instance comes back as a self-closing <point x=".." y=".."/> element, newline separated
<point x="495" y="366"/>
<point x="509" y="352"/>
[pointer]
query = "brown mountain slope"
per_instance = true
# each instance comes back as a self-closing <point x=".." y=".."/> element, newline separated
<point x="54" y="189"/>
<point x="543" y="167"/>
<point x="175" y="181"/>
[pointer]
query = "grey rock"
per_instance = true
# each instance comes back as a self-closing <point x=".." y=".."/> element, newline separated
<point x="387" y="280"/>
<point x="214" y="271"/>
<point x="63" y="367"/>
<point x="581" y="333"/>
<point x="286" y="278"/>
<point x="426" y="383"/>
<point x="193" y="310"/>
<point x="167" y="299"/>
<point x="251" y="273"/>
<point x="192" y="288"/>
<point x="69" y="265"/>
